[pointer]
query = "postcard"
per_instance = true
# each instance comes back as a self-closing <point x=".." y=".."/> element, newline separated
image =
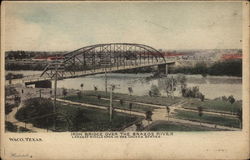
<point x="124" y="80"/>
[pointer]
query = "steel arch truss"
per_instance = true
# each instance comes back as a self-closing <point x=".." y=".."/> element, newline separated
<point x="104" y="56"/>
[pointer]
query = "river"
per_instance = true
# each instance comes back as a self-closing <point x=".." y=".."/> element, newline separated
<point x="211" y="86"/>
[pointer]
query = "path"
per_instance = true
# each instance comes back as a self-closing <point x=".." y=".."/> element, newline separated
<point x="161" y="114"/>
<point x="99" y="107"/>
<point x="27" y="93"/>
<point x="158" y="114"/>
<point x="178" y="106"/>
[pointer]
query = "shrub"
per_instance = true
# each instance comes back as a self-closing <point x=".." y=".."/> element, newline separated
<point x="155" y="91"/>
<point x="10" y="127"/>
<point x="34" y="108"/>
<point x="79" y="95"/>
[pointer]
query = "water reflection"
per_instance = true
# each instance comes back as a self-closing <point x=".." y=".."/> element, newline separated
<point x="210" y="86"/>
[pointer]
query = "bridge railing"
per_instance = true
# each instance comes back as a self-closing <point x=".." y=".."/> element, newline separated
<point x="67" y="74"/>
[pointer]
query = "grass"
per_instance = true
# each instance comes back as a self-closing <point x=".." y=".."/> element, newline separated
<point x="76" y="118"/>
<point x="94" y="100"/>
<point x="9" y="108"/>
<point x="207" y="118"/>
<point x="143" y="99"/>
<point x="13" y="128"/>
<point x="173" y="126"/>
<point x="214" y="105"/>
<point x="95" y="119"/>
<point x="166" y="101"/>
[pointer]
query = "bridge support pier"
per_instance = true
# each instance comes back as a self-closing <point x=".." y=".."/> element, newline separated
<point x="43" y="84"/>
<point x="163" y="69"/>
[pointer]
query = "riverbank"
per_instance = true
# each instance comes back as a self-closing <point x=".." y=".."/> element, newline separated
<point x="219" y="68"/>
<point x="140" y="105"/>
<point x="215" y="112"/>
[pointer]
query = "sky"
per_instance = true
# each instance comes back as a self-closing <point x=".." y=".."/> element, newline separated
<point x="66" y="26"/>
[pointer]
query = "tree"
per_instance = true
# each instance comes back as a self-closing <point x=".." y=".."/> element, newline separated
<point x="82" y="86"/>
<point x="204" y="75"/>
<point x="200" y="112"/>
<point x="36" y="107"/>
<point x="10" y="91"/>
<point x="149" y="116"/>
<point x="130" y="107"/>
<point x="195" y="92"/>
<point x="202" y="97"/>
<point x="239" y="116"/>
<point x="170" y="86"/>
<point x="231" y="100"/>
<point x="79" y="119"/>
<point x="95" y="88"/>
<point x="17" y="99"/>
<point x="130" y="90"/>
<point x="150" y="93"/>
<point x="99" y="97"/>
<point x="65" y="92"/>
<point x="139" y="126"/>
<point x="224" y="98"/>
<point x="79" y="95"/>
<point x="155" y="91"/>
<point x="121" y="102"/>
<point x="182" y="80"/>
<point x="168" y="111"/>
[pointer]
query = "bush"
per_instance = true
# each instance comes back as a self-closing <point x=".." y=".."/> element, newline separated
<point x="9" y="108"/>
<point x="99" y="97"/>
<point x="10" y="91"/>
<point x="13" y="76"/>
<point x="34" y="108"/>
<point x="155" y="91"/>
<point x="65" y="92"/>
<point x="79" y="95"/>
<point x="79" y="119"/>
<point x="192" y="92"/>
<point x="10" y="127"/>
<point x="229" y="68"/>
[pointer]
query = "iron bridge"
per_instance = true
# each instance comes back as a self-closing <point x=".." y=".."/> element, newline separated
<point x="102" y="58"/>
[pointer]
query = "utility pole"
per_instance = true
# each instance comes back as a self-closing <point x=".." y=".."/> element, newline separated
<point x="172" y="88"/>
<point x="40" y="93"/>
<point x="112" y="87"/>
<point x="106" y="82"/>
<point x="54" y="108"/>
<point x="111" y="100"/>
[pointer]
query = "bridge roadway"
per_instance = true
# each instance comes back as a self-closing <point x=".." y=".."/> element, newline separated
<point x="36" y="78"/>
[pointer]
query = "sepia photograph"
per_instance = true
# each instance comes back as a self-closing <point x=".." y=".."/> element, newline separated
<point x="130" y="67"/>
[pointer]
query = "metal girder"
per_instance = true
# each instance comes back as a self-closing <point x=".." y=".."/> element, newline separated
<point x="105" y="55"/>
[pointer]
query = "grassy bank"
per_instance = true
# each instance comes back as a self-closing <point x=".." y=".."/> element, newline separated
<point x="72" y="117"/>
<point x="173" y="126"/>
<point x="214" y="105"/>
<point x="101" y="102"/>
<point x="10" y="127"/>
<point x="98" y="120"/>
<point x="166" y="101"/>
<point x="207" y="118"/>
<point x="229" y="68"/>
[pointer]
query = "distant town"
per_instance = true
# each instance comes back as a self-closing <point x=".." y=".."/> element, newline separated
<point x="179" y="55"/>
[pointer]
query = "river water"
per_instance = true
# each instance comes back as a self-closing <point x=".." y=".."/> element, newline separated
<point x="211" y="86"/>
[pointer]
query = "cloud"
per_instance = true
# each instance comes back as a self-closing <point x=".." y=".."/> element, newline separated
<point x="172" y="25"/>
<point x="21" y="35"/>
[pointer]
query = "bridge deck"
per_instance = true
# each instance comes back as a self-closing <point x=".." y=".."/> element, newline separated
<point x="66" y="75"/>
